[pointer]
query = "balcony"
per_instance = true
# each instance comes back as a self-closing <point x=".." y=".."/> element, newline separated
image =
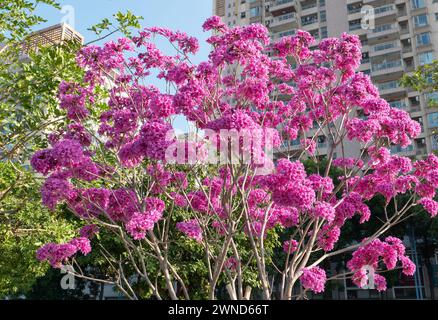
<point x="279" y="35"/>
<point x="399" y="104"/>
<point x="310" y="4"/>
<point x="385" y="12"/>
<point x="280" y="7"/>
<point x="290" y="145"/>
<point x="284" y="22"/>
<point x="420" y="151"/>
<point x="386" y="67"/>
<point x="408" y="151"/>
<point x="385" y="48"/>
<point x="407" y="49"/>
<point x="383" y="32"/>
<point x="390" y="88"/>
<point x="402" y="13"/>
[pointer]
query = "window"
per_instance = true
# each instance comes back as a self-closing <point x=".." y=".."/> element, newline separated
<point x="321" y="3"/>
<point x="308" y="4"/>
<point x="354" y="7"/>
<point x="436" y="16"/>
<point x="434" y="142"/>
<point x="383" y="27"/>
<point x="385" y="46"/>
<point x="286" y="16"/>
<point x="432" y="98"/>
<point x="324" y="33"/>
<point x="323" y="16"/>
<point x="423" y="39"/>
<point x="322" y="142"/>
<point x="312" y="18"/>
<point x="421" y="20"/>
<point x="399" y="149"/>
<point x="399" y="104"/>
<point x="382" y="9"/>
<point x="355" y="24"/>
<point x="425" y="58"/>
<point x="254" y="12"/>
<point x="417" y="4"/>
<point x="286" y="33"/>
<point x="433" y="119"/>
<point x="314" y="33"/>
<point x="243" y="15"/>
<point x="388" y="85"/>
<point x="386" y="64"/>
<point x="365" y="57"/>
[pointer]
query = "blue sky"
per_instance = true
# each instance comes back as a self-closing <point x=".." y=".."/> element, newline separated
<point x="184" y="15"/>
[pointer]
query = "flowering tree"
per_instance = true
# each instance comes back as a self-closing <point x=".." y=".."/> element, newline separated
<point x="223" y="192"/>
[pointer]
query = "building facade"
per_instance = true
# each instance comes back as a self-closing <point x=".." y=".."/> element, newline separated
<point x="52" y="35"/>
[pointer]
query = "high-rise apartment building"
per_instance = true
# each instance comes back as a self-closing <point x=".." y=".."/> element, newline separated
<point x="397" y="36"/>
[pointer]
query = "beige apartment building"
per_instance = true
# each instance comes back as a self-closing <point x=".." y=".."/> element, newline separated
<point x="52" y="35"/>
<point x="397" y="37"/>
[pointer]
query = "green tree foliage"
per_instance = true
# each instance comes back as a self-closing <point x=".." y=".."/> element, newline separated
<point x="28" y="110"/>
<point x="424" y="79"/>
<point x="17" y="17"/>
<point x="24" y="225"/>
<point x="28" y="102"/>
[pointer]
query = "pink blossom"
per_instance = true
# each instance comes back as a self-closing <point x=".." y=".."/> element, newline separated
<point x="431" y="206"/>
<point x="43" y="161"/>
<point x="313" y="279"/>
<point x="191" y="229"/>
<point x="290" y="246"/>
<point x="323" y="210"/>
<point x="122" y="204"/>
<point x="89" y="231"/>
<point x="328" y="237"/>
<point x="57" y="254"/>
<point x="139" y="224"/>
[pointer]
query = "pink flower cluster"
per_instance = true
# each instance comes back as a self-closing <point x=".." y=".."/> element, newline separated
<point x="290" y="246"/>
<point x="372" y="254"/>
<point x="191" y="229"/>
<point x="89" y="231"/>
<point x="141" y="222"/>
<point x="313" y="279"/>
<point x="57" y="254"/>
